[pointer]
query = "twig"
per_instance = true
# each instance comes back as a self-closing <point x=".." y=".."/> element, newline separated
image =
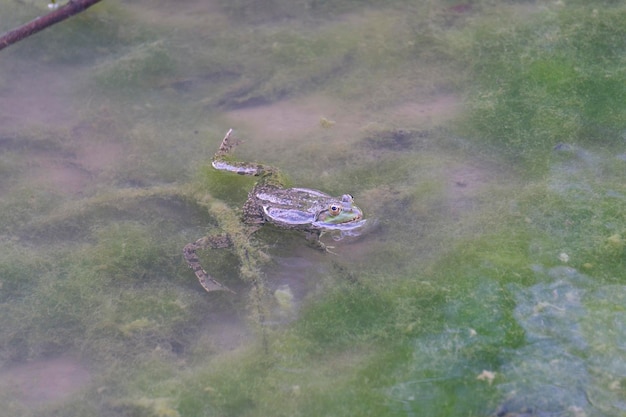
<point x="71" y="8"/>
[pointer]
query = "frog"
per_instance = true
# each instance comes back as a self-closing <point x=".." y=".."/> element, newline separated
<point x="270" y="201"/>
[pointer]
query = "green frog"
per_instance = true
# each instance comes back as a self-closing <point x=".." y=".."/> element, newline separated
<point x="310" y="211"/>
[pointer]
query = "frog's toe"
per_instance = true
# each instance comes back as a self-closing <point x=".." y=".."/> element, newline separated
<point x="209" y="284"/>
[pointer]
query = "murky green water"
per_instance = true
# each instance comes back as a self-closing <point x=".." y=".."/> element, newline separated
<point x="484" y="141"/>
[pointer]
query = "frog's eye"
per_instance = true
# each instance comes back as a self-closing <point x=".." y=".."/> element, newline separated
<point x="334" y="209"/>
<point x="347" y="201"/>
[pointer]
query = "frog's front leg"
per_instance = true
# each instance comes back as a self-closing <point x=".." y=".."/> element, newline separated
<point x="189" y="252"/>
<point x="313" y="237"/>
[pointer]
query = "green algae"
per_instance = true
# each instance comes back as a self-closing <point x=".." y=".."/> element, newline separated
<point x="457" y="303"/>
<point x="559" y="79"/>
<point x="135" y="69"/>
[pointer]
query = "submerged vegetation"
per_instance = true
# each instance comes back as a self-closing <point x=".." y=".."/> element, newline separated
<point x="492" y="278"/>
<point x="555" y="78"/>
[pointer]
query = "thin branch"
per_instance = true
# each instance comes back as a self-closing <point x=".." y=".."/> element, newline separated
<point x="70" y="9"/>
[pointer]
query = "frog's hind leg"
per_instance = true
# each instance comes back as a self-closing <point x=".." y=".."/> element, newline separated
<point x="227" y="145"/>
<point x="191" y="256"/>
<point x="222" y="160"/>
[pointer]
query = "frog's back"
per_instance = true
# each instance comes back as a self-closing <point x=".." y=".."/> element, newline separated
<point x="291" y="208"/>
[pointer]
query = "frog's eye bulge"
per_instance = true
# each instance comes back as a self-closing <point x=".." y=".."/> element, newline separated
<point x="335" y="209"/>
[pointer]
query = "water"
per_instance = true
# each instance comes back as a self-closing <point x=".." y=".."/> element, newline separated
<point x="491" y="280"/>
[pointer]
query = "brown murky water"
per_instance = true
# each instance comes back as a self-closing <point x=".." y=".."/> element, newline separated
<point x="295" y="118"/>
<point x="45" y="381"/>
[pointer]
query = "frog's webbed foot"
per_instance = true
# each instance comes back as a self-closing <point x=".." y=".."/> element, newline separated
<point x="189" y="252"/>
<point x="313" y="237"/>
<point x="228" y="143"/>
<point x="328" y="250"/>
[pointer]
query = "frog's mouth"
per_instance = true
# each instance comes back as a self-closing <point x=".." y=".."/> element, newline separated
<point x="353" y="226"/>
<point x="345" y="218"/>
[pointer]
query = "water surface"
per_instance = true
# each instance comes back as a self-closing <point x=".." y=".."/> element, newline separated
<point x="484" y="145"/>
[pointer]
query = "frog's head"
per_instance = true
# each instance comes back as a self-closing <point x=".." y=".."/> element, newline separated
<point x="339" y="213"/>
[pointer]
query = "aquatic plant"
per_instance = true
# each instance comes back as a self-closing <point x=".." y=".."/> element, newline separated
<point x="139" y="67"/>
<point x="554" y="78"/>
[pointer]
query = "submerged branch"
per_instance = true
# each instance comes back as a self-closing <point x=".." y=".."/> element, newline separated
<point x="70" y="9"/>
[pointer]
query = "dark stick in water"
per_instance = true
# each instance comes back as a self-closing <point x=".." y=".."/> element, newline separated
<point x="70" y="9"/>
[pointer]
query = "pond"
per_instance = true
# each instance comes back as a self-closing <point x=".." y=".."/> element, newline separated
<point x="484" y="141"/>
